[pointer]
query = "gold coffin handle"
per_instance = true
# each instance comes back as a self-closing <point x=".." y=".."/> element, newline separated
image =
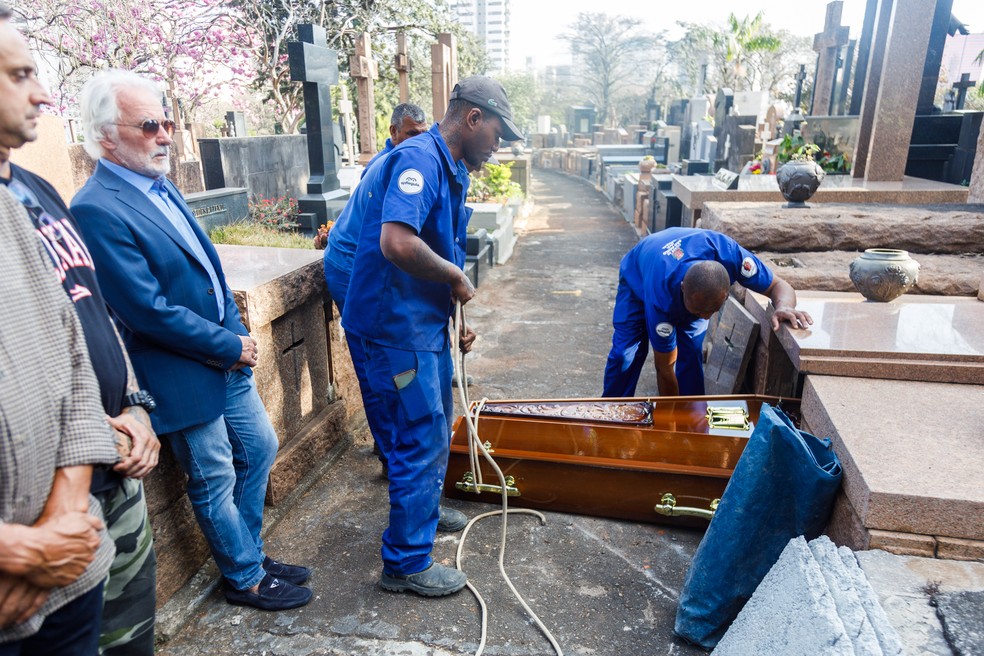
<point x="468" y="484"/>
<point x="728" y="417"/>
<point x="667" y="506"/>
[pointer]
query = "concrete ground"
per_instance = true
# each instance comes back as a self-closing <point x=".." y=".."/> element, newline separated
<point x="601" y="586"/>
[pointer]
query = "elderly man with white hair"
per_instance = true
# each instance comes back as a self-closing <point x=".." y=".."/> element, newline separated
<point x="163" y="281"/>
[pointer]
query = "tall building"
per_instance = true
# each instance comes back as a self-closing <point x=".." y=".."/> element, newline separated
<point x="488" y="20"/>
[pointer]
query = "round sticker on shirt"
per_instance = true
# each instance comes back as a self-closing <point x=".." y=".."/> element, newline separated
<point x="664" y="329"/>
<point x="411" y="182"/>
<point x="748" y="267"/>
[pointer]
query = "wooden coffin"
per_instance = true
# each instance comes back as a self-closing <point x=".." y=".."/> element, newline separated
<point x="619" y="458"/>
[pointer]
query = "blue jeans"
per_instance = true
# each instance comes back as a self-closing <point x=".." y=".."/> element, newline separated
<point x="228" y="462"/>
<point x="420" y="412"/>
<point x="72" y="630"/>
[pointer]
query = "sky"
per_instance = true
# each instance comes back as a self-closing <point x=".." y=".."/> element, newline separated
<point x="535" y="24"/>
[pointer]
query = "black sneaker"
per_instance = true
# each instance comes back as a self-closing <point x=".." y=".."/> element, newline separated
<point x="296" y="574"/>
<point x="273" y="594"/>
<point x="435" y="581"/>
<point x="451" y="520"/>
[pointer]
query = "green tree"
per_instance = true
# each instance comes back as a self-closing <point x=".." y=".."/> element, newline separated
<point x="268" y="25"/>
<point x="743" y="38"/>
<point x="607" y="52"/>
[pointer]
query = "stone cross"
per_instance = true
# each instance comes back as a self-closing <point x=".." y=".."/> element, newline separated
<point x="346" y="110"/>
<point x="312" y="63"/>
<point x="444" y="72"/>
<point x="363" y="69"/>
<point x="402" y="65"/>
<point x="800" y="78"/>
<point x="961" y="87"/>
<point x="826" y="44"/>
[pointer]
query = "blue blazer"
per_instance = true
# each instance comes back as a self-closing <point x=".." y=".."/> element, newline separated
<point x="162" y="299"/>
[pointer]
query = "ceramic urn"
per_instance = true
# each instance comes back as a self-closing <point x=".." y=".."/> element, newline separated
<point x="799" y="180"/>
<point x="884" y="274"/>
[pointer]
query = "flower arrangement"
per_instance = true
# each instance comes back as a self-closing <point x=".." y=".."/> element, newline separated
<point x="277" y="213"/>
<point x="321" y="238"/>
<point x="755" y="167"/>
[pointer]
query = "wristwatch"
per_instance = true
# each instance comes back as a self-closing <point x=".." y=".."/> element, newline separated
<point x="141" y="398"/>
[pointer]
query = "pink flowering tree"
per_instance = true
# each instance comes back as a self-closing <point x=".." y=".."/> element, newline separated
<point x="184" y="44"/>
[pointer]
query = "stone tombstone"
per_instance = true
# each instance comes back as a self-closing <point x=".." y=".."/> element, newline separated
<point x="672" y="134"/>
<point x="402" y="65"/>
<point x="751" y="103"/>
<point x="827" y="44"/>
<point x="725" y="180"/>
<point x="677" y="112"/>
<point x="932" y="62"/>
<point x="697" y="110"/>
<point x="218" y="207"/>
<point x="770" y="125"/>
<point x="312" y="63"/>
<point x="770" y="155"/>
<point x="363" y="69"/>
<point x="892" y="91"/>
<point x="346" y="111"/>
<point x="961" y="87"/>
<point x="709" y="148"/>
<point x="582" y="118"/>
<point x="795" y="118"/>
<point x="723" y="102"/>
<point x="237" y="124"/>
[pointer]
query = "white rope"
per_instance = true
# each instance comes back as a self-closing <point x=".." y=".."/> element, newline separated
<point x="475" y="446"/>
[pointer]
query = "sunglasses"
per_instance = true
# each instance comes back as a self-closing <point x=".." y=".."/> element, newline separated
<point x="152" y="126"/>
<point x="26" y="196"/>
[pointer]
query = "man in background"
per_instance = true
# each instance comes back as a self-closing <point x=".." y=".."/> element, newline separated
<point x="164" y="283"/>
<point x="129" y="597"/>
<point x="54" y="551"/>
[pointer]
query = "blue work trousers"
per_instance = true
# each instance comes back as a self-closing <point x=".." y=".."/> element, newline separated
<point x="228" y="463"/>
<point x="338" y="282"/>
<point x="414" y="391"/>
<point x="630" y="347"/>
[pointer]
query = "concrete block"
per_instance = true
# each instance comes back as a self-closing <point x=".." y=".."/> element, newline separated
<point x="843" y="589"/>
<point x="888" y="638"/>
<point x="904" y="585"/>
<point x="792" y="612"/>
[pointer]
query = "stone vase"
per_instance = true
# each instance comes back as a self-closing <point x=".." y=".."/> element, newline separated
<point x="647" y="165"/>
<point x="798" y="181"/>
<point x="884" y="274"/>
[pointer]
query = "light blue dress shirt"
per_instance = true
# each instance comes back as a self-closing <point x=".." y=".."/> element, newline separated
<point x="155" y="190"/>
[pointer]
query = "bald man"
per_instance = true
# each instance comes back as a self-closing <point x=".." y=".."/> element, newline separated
<point x="669" y="285"/>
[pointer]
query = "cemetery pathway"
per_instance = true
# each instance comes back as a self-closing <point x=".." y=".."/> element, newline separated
<point x="601" y="586"/>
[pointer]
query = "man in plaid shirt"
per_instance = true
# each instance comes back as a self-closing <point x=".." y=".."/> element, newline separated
<point x="54" y="551"/>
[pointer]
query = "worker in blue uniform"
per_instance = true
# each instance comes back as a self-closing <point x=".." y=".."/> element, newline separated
<point x="669" y="285"/>
<point x="406" y="122"/>
<point x="406" y="277"/>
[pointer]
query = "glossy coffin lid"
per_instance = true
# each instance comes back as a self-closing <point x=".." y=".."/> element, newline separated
<point x="609" y="469"/>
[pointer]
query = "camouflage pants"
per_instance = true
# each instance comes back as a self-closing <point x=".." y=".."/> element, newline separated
<point x="130" y="595"/>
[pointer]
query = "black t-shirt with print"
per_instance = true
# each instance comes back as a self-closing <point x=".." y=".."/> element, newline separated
<point x="73" y="265"/>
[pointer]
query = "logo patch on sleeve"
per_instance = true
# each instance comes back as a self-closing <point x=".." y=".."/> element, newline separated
<point x="664" y="329"/>
<point x="748" y="267"/>
<point x="411" y="182"/>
